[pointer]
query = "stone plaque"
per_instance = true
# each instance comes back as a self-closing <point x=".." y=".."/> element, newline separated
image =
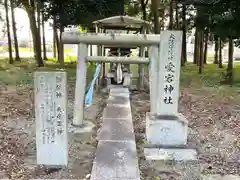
<point x="169" y="72"/>
<point x="51" y="118"/>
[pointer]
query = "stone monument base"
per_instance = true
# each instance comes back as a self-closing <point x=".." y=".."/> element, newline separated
<point x="172" y="154"/>
<point x="182" y="170"/>
<point x="168" y="130"/>
<point x="167" y="138"/>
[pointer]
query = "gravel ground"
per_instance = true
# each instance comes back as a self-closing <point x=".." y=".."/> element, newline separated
<point x="213" y="129"/>
<point x="17" y="138"/>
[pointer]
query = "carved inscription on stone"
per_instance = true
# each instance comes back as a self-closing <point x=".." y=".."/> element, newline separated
<point x="51" y="120"/>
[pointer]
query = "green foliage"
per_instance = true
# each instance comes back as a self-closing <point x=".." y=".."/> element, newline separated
<point x="221" y="17"/>
<point x="80" y="12"/>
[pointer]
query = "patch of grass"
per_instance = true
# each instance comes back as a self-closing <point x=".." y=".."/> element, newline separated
<point x="67" y="59"/>
<point x="211" y="76"/>
<point x="22" y="72"/>
<point x="21" y="49"/>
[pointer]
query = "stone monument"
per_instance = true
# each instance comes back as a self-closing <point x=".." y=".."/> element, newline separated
<point x="166" y="127"/>
<point x="51" y="118"/>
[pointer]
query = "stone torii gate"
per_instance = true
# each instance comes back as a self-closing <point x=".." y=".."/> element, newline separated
<point x="85" y="39"/>
<point x="165" y="127"/>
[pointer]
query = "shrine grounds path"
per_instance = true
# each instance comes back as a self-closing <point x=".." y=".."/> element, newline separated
<point x="213" y="111"/>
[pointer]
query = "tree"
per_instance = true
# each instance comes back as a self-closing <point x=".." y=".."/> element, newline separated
<point x="8" y="33"/>
<point x="171" y="14"/>
<point x="69" y="12"/>
<point x="154" y="7"/>
<point x="17" y="57"/>
<point x="184" y="30"/>
<point x="143" y="8"/>
<point x="222" y="19"/>
<point x="30" y="7"/>
<point x="220" y="65"/>
<point x="216" y="49"/>
<point x="43" y="36"/>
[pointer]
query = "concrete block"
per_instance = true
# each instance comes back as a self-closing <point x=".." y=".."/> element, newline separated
<point x="119" y="95"/>
<point x="124" y="92"/>
<point x="117" y="129"/>
<point x="166" y="129"/>
<point x="116" y="160"/>
<point x="117" y="113"/>
<point x="119" y="90"/>
<point x="118" y="101"/>
<point x="170" y="154"/>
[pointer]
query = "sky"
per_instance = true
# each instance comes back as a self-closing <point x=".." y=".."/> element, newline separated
<point x="22" y="23"/>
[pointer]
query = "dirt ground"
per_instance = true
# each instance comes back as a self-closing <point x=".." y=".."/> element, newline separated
<point x="17" y="138"/>
<point x="214" y="129"/>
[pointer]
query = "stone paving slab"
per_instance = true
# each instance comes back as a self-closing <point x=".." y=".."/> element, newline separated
<point x="116" y="155"/>
<point x="119" y="90"/>
<point x="116" y="160"/>
<point x="118" y="101"/>
<point x="119" y="95"/>
<point x="113" y="112"/>
<point x="117" y="129"/>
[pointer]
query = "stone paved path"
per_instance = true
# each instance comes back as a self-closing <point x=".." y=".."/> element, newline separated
<point x="116" y="156"/>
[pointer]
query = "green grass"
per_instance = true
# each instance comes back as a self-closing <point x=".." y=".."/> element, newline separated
<point x="21" y="49"/>
<point x="67" y="59"/>
<point x="211" y="76"/>
<point x="21" y="73"/>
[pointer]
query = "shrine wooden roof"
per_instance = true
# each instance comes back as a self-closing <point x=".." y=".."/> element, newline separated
<point x="121" y="21"/>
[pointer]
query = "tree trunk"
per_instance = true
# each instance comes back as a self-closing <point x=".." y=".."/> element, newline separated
<point x="143" y="7"/>
<point x="216" y="48"/>
<point x="205" y="47"/>
<point x="155" y="4"/>
<point x="43" y="39"/>
<point x="17" y="57"/>
<point x="196" y="54"/>
<point x="177" y="15"/>
<point x="170" y="27"/>
<point x="54" y="39"/>
<point x="61" y="48"/>
<point x="201" y="42"/>
<point x="184" y="38"/>
<point x="220" y="65"/>
<point x="57" y="44"/>
<point x="39" y="24"/>
<point x="30" y="9"/>
<point x="8" y="33"/>
<point x="229" y="75"/>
